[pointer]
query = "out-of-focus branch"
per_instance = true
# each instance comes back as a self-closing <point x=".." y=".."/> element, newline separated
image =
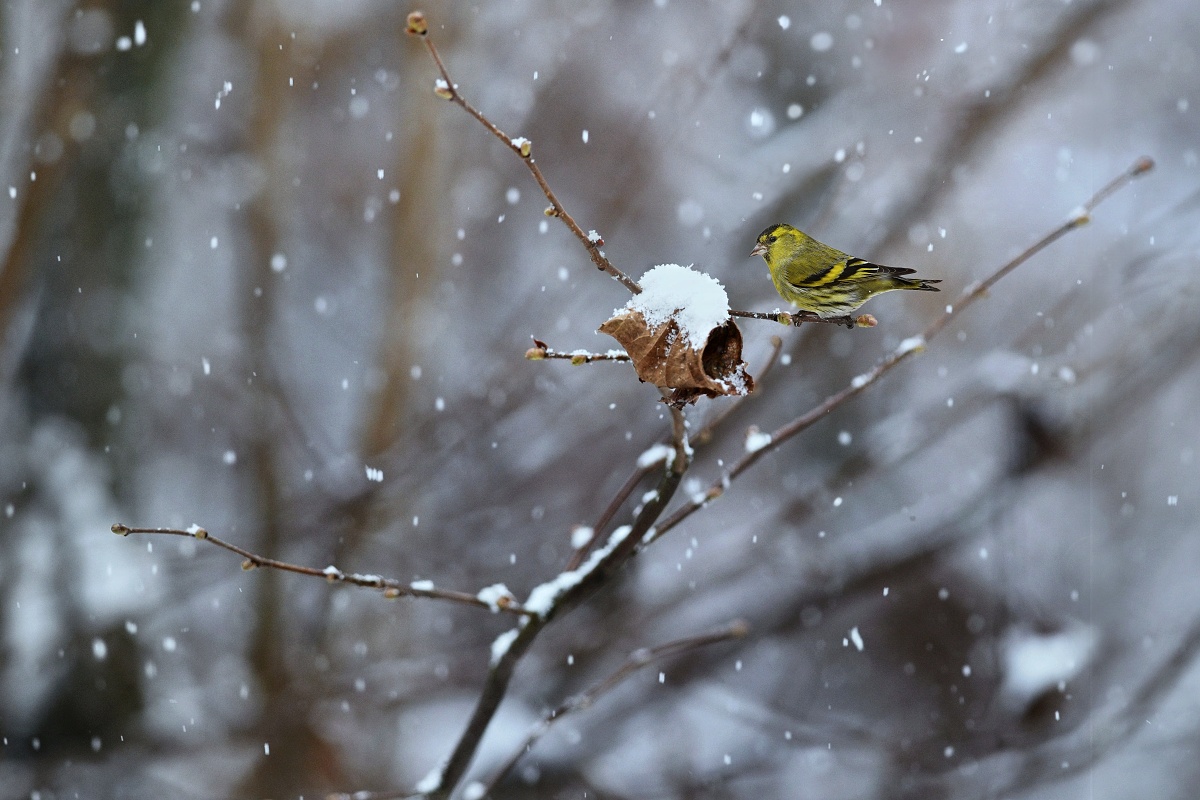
<point x="637" y="660"/>
<point x="1080" y="217"/>
<point x="448" y="89"/>
<point x="494" y="600"/>
<point x="975" y="124"/>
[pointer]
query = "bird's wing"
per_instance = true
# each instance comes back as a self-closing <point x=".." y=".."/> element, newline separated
<point x="895" y="270"/>
<point x="847" y="269"/>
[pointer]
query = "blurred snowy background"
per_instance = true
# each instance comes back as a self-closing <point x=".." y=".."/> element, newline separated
<point x="246" y="254"/>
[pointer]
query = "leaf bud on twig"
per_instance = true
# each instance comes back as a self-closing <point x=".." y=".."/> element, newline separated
<point x="416" y="24"/>
<point x="523" y="145"/>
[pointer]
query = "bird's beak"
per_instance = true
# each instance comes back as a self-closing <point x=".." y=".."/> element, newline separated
<point x="760" y="249"/>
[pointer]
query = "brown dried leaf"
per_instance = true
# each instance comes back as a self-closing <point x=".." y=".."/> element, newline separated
<point x="665" y="358"/>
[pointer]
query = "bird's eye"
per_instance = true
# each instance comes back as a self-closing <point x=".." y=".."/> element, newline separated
<point x="772" y="239"/>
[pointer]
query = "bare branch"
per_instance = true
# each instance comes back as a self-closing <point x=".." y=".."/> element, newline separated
<point x="798" y="318"/>
<point x="541" y="350"/>
<point x="391" y="588"/>
<point x="448" y="89"/>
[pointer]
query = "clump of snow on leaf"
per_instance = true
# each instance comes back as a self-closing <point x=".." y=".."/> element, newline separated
<point x="695" y="300"/>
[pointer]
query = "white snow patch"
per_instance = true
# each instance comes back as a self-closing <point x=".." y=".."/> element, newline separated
<point x="910" y="344"/>
<point x="695" y="300"/>
<point x="422" y="586"/>
<point x="432" y="781"/>
<point x="1036" y="662"/>
<point x="856" y="639"/>
<point x="500" y="646"/>
<point x="656" y="454"/>
<point x="757" y="440"/>
<point x="581" y="535"/>
<point x="492" y="595"/>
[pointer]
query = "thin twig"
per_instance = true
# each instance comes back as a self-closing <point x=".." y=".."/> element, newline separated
<point x="391" y="588"/>
<point x="906" y="348"/>
<point x="541" y="350"/>
<point x="637" y="660"/>
<point x="798" y="318"/>
<point x="448" y="89"/>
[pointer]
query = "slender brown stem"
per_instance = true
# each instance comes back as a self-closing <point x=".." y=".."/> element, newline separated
<point x="906" y="348"/>
<point x="391" y="588"/>
<point x="523" y="148"/>
<point x="541" y="350"/>
<point x="637" y="660"/>
<point x="798" y="318"/>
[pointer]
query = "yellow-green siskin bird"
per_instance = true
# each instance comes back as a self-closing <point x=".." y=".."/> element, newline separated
<point x="815" y="277"/>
